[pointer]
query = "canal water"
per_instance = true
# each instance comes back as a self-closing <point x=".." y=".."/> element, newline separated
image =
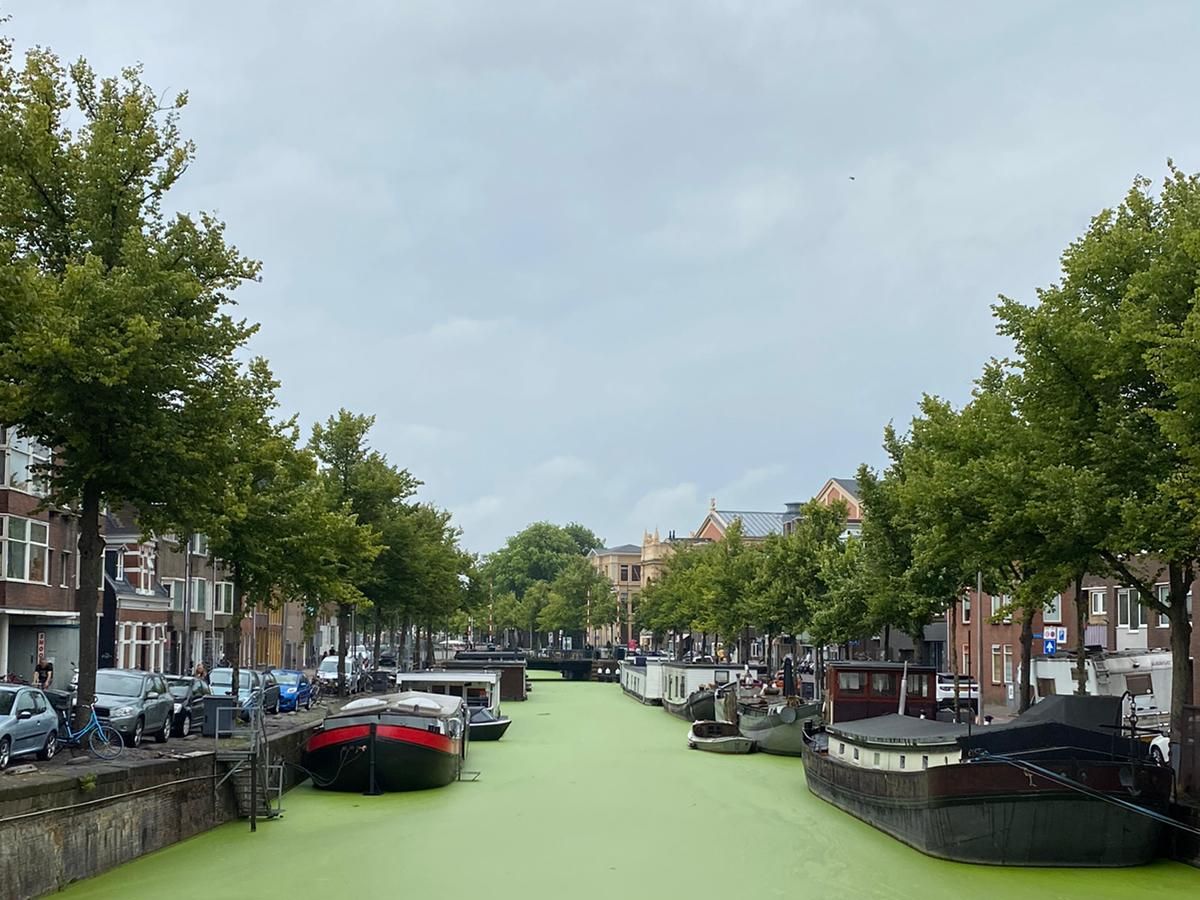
<point x="592" y="795"/>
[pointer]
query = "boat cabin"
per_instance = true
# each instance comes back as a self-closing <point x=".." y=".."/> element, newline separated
<point x="1145" y="674"/>
<point x="895" y="743"/>
<point x="681" y="680"/>
<point x="643" y="677"/>
<point x="477" y="689"/>
<point x="860" y="690"/>
<point x="509" y="666"/>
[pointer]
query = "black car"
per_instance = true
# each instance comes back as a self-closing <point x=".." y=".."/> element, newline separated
<point x="188" y="694"/>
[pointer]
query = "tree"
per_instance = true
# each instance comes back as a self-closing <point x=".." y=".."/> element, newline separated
<point x="585" y="539"/>
<point x="792" y="588"/>
<point x="115" y="348"/>
<point x="537" y="553"/>
<point x="359" y="480"/>
<point x="1107" y="357"/>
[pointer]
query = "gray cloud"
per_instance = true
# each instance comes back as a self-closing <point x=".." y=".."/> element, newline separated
<point x="603" y="261"/>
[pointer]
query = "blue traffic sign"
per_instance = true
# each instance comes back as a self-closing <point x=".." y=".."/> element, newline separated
<point x="1049" y="646"/>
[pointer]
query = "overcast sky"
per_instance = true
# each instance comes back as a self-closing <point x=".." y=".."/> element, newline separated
<point x="603" y="261"/>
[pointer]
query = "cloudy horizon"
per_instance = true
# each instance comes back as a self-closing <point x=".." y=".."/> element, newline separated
<point x="601" y="263"/>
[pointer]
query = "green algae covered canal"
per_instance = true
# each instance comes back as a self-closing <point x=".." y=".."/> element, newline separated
<point x="590" y="795"/>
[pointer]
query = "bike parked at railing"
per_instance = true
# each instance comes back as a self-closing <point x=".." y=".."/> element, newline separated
<point x="103" y="740"/>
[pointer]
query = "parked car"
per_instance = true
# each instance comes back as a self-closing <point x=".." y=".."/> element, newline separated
<point x="135" y="703"/>
<point x="357" y="678"/>
<point x="251" y="685"/>
<point x="968" y="691"/>
<point x="188" y="694"/>
<point x="1160" y="749"/>
<point x="295" y="690"/>
<point x="28" y="724"/>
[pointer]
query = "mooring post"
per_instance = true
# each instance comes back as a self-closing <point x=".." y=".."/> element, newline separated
<point x="372" y="788"/>
<point x="254" y="790"/>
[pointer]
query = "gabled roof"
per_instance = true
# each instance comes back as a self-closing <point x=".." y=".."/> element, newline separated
<point x="754" y="524"/>
<point x="623" y="549"/>
<point x="849" y="485"/>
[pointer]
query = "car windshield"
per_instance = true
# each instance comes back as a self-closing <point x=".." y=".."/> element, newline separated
<point x="7" y="698"/>
<point x="178" y="688"/>
<point x="118" y="684"/>
<point x="286" y="677"/>
<point x="329" y="664"/>
<point x="224" y="677"/>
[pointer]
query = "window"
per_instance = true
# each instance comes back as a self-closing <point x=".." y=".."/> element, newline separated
<point x="1139" y="683"/>
<point x="883" y="684"/>
<point x="876" y="760"/>
<point x="174" y="588"/>
<point x="1129" y="611"/>
<point x="966" y="658"/>
<point x="1164" y="597"/>
<point x="902" y="760"/>
<point x="26" y="550"/>
<point x="223" y="599"/>
<point x="918" y="685"/>
<point x="1053" y="611"/>
<point x="856" y="753"/>
<point x="924" y="762"/>
<point x="198" y="545"/>
<point x="842" y="748"/>
<point x="1008" y="664"/>
<point x="23" y="459"/>
<point x="997" y="659"/>
<point x="624" y="573"/>
<point x="635" y="573"/>
<point x="199" y="595"/>
<point x="997" y="604"/>
<point x="966" y="609"/>
<point x="65" y="565"/>
<point x="1099" y="601"/>
<point x="851" y="682"/>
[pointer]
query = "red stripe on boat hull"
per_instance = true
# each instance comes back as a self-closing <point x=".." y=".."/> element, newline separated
<point x="416" y="736"/>
<point x="337" y="736"/>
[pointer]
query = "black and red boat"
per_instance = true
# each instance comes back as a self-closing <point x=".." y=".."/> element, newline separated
<point x="398" y="742"/>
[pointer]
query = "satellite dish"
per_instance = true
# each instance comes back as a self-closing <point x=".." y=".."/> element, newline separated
<point x="788" y="715"/>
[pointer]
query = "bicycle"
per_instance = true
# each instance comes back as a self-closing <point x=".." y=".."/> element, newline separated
<point x="103" y="740"/>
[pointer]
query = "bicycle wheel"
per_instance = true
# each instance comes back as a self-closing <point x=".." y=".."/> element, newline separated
<point x="105" y="742"/>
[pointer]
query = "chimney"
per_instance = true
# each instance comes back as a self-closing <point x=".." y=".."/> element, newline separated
<point x="793" y="509"/>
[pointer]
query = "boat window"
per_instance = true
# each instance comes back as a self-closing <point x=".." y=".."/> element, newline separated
<point x="876" y="758"/>
<point x="856" y="753"/>
<point x="902" y="760"/>
<point x="851" y="682"/>
<point x="1139" y="683"/>
<point x="918" y="685"/>
<point x="883" y="684"/>
<point x="842" y="748"/>
<point x="924" y="762"/>
<point x="946" y="760"/>
<point x="1046" y="687"/>
<point x="721" y="676"/>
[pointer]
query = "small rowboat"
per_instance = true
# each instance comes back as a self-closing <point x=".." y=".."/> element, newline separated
<point x="718" y="737"/>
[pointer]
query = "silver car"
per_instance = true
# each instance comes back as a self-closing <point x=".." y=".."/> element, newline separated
<point x="135" y="703"/>
<point x="28" y="724"/>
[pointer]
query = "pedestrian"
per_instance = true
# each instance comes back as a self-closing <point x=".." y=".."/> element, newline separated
<point x="201" y="672"/>
<point x="43" y="673"/>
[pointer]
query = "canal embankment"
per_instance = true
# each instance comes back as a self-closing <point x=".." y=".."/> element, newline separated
<point x="78" y="817"/>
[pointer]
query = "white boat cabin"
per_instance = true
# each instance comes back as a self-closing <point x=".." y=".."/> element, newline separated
<point x="642" y="677"/>
<point x="895" y="743"/>
<point x="1145" y="674"/>
<point x="681" y="680"/>
<point x="477" y="689"/>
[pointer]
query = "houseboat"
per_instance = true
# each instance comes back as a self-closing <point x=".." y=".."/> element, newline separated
<point x="643" y="678"/>
<point x="514" y="685"/>
<point x="775" y="718"/>
<point x="479" y="690"/>
<point x="859" y="690"/>
<point x="688" y="687"/>
<point x="396" y="742"/>
<point x="1059" y="786"/>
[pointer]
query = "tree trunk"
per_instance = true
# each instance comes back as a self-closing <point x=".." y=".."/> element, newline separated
<point x="343" y="616"/>
<point x="429" y="658"/>
<point x="1026" y="657"/>
<point x="918" y="639"/>
<point x="91" y="566"/>
<point x="1081" y="615"/>
<point x="378" y="632"/>
<point x="404" y="661"/>
<point x="887" y="643"/>
<point x="1181" y="639"/>
<point x="952" y="655"/>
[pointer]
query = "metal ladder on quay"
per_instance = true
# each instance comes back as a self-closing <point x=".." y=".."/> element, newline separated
<point x="246" y="755"/>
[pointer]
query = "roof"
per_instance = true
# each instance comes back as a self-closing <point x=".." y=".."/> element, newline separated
<point x="898" y="729"/>
<point x="875" y="665"/>
<point x="620" y="548"/>
<point x="849" y="485"/>
<point x="754" y="524"/>
<point x="444" y="677"/>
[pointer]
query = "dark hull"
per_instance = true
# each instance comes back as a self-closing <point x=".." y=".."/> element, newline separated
<point x="405" y="759"/>
<point x="699" y="705"/>
<point x="648" y="701"/>
<point x="772" y="734"/>
<point x="996" y="814"/>
<point x="491" y="730"/>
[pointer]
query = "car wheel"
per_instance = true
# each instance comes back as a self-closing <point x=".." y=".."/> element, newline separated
<point x="50" y="747"/>
<point x="185" y="725"/>
<point x="5" y="751"/>
<point x="1157" y="755"/>
<point x="135" y="739"/>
